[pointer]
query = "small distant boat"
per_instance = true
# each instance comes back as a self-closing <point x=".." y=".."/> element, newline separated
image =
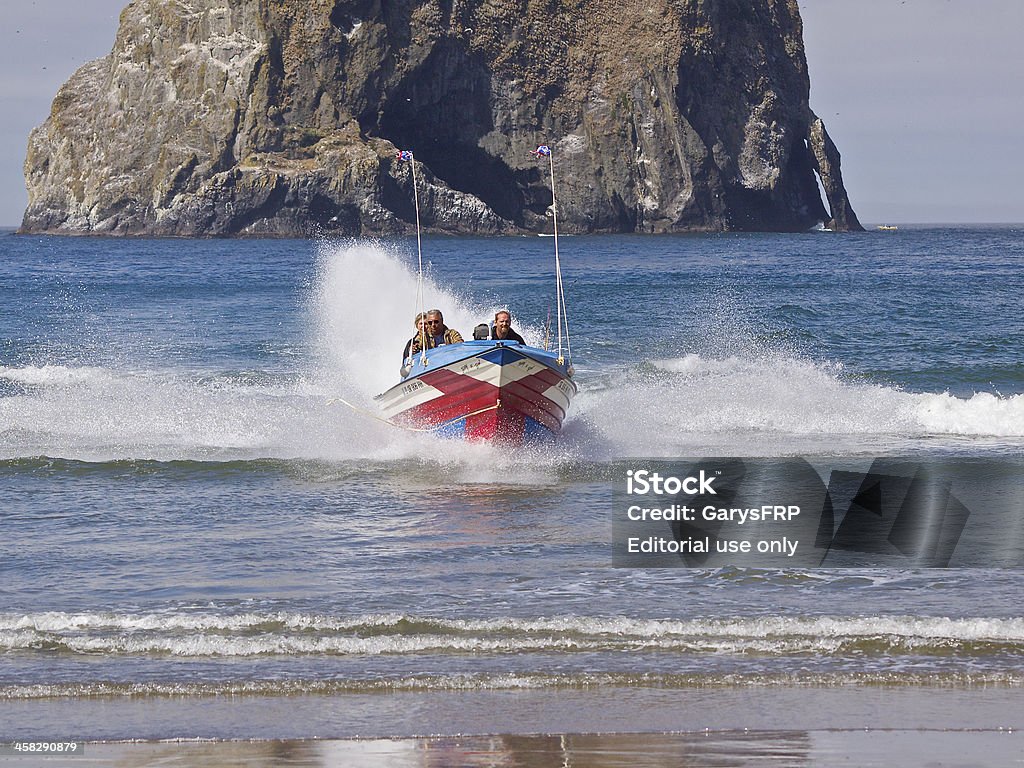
<point x="498" y="391"/>
<point x="888" y="227"/>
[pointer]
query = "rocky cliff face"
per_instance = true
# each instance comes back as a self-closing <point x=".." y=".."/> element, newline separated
<point x="282" y="117"/>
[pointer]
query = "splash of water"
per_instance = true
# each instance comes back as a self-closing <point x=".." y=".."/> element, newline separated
<point x="361" y="309"/>
<point x="769" y="404"/>
<point x="365" y="302"/>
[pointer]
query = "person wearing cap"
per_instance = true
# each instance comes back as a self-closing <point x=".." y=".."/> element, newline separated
<point x="502" y="330"/>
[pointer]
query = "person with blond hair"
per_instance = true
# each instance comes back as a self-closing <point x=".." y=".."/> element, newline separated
<point x="418" y="325"/>
<point x="436" y="333"/>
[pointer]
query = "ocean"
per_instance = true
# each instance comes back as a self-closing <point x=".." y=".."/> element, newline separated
<point x="206" y="533"/>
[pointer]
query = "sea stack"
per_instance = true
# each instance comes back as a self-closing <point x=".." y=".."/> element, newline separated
<point x="283" y="118"/>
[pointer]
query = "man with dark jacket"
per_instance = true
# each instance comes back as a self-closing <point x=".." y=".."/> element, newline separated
<point x="502" y="330"/>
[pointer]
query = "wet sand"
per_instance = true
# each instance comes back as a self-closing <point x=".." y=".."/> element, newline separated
<point x="607" y="728"/>
<point x="711" y="749"/>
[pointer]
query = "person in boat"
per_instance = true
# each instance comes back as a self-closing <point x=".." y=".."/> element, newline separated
<point x="437" y="333"/>
<point x="502" y="330"/>
<point x="418" y="324"/>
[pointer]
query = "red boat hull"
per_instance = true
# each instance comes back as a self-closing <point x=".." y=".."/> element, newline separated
<point x="489" y="391"/>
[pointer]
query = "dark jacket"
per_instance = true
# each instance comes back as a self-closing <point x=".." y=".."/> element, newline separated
<point x="512" y="336"/>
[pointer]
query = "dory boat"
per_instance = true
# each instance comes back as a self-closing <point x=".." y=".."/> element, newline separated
<point x="498" y="391"/>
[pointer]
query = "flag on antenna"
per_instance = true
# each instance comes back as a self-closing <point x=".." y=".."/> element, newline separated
<point x="404" y="156"/>
<point x="542" y="151"/>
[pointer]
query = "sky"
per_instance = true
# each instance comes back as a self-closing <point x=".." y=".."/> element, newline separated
<point x="924" y="98"/>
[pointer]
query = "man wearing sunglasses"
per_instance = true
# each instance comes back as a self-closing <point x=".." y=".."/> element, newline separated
<point x="437" y="333"/>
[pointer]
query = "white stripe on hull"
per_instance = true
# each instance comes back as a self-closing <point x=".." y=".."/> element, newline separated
<point x="415" y="392"/>
<point x="407" y="395"/>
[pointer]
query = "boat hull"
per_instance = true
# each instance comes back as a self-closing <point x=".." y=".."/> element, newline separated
<point x="483" y="390"/>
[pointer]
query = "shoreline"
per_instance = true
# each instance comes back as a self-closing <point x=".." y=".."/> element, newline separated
<point x="604" y="710"/>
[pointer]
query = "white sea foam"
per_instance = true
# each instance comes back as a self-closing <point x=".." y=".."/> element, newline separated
<point x="776" y="404"/>
<point x="512" y="681"/>
<point x="187" y="635"/>
<point x="52" y="375"/>
<point x="981" y="414"/>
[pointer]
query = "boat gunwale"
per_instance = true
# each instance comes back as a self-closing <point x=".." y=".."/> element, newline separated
<point x="496" y="344"/>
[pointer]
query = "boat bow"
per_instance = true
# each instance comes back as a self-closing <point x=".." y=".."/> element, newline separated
<point x="483" y="390"/>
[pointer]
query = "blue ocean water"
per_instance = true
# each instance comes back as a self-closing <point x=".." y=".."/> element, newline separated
<point x="192" y="513"/>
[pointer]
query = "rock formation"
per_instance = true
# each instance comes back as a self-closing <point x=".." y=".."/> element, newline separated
<point x="282" y="117"/>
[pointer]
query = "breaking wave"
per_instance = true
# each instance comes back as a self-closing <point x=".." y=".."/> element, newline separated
<point x="296" y="634"/>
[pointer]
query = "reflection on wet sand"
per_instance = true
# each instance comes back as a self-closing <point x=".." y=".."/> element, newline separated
<point x="710" y="749"/>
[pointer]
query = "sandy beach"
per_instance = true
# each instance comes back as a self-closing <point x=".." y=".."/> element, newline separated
<point x="862" y="747"/>
<point x="863" y="726"/>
